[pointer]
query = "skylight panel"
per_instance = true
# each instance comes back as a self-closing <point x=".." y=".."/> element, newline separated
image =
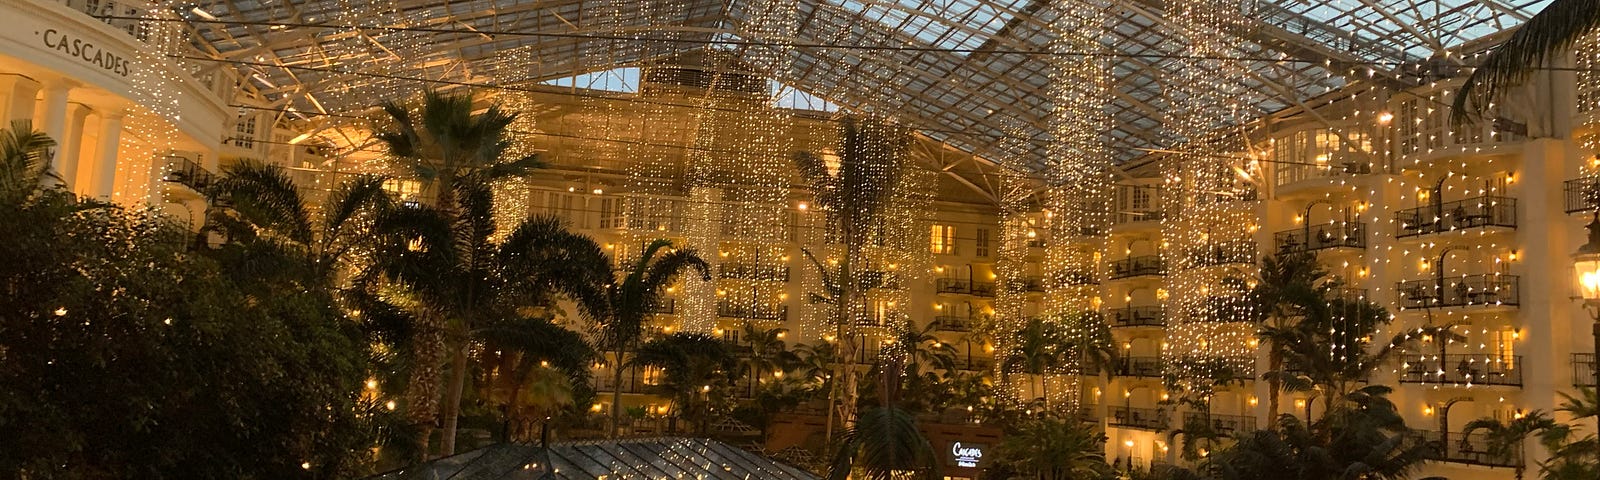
<point x="935" y="22"/>
<point x="794" y="98"/>
<point x="625" y="80"/>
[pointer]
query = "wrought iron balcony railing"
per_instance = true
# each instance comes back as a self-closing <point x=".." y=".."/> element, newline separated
<point x="983" y="289"/>
<point x="771" y="312"/>
<point x="1137" y="267"/>
<point x="1136" y="316"/>
<point x="1224" y="253"/>
<point x="1466" y="290"/>
<point x="668" y="307"/>
<point x="1477" y="212"/>
<point x="1120" y="218"/>
<point x="1472" y="449"/>
<point x="186" y="172"/>
<point x="973" y="363"/>
<point x="952" y="323"/>
<point x="1583" y="369"/>
<point x="1462" y="369"/>
<point x="1583" y="194"/>
<point x="1139" y="366"/>
<point x="953" y="285"/>
<point x="751" y="271"/>
<point x="1224" y="424"/>
<point x="1322" y="237"/>
<point x="1142" y="418"/>
<point x="1070" y="279"/>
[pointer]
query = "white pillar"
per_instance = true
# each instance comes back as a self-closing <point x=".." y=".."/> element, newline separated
<point x="71" y="147"/>
<point x="19" y="93"/>
<point x="104" y="167"/>
<point x="51" y="118"/>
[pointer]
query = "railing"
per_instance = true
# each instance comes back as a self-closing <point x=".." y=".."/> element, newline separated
<point x="1144" y="418"/>
<point x="1136" y="267"/>
<point x="1120" y="218"/>
<point x="1070" y="278"/>
<point x="1583" y="369"/>
<point x="1143" y="316"/>
<point x="668" y="307"/>
<point x="1149" y="367"/>
<point x="753" y="312"/>
<point x="1033" y="284"/>
<point x="1088" y="413"/>
<point x="1476" y="212"/>
<point x="1472" y="449"/>
<point x="1321" y="237"/>
<point x="1237" y="251"/>
<point x="1224" y="424"/>
<point x="973" y="363"/>
<point x="983" y="289"/>
<point x="1215" y="309"/>
<point x="952" y="323"/>
<point x="1583" y="194"/>
<point x="750" y="271"/>
<point x="184" y="171"/>
<point x="1466" y="290"/>
<point x="1346" y="164"/>
<point x="1462" y="369"/>
<point x="953" y="285"/>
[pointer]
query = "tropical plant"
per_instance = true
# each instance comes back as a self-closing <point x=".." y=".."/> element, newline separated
<point x="884" y="444"/>
<point x="533" y="368"/>
<point x="1291" y="282"/>
<point x="853" y="195"/>
<point x="697" y="371"/>
<point x="1570" y="458"/>
<point x="633" y="299"/>
<point x="1048" y="447"/>
<point x="458" y="280"/>
<point x="100" y="305"/>
<point x="1506" y="439"/>
<point x="1532" y="46"/>
<point x="1362" y="435"/>
<point x="769" y="354"/>
<point x="442" y="142"/>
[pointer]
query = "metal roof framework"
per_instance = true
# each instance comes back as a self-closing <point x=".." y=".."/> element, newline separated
<point x="963" y="71"/>
<point x="649" y="458"/>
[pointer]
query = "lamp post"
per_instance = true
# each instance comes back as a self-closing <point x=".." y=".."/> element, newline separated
<point x="1586" y="261"/>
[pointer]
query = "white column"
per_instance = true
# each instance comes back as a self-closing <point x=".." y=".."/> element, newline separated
<point x="51" y="118"/>
<point x="71" y="147"/>
<point x="104" y="166"/>
<point x="19" y="93"/>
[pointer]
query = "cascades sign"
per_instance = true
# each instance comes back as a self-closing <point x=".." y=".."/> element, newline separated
<point x="966" y="455"/>
<point x="83" y="50"/>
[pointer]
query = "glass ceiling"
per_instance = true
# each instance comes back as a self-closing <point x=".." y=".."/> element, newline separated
<point x="964" y="71"/>
<point x="650" y="458"/>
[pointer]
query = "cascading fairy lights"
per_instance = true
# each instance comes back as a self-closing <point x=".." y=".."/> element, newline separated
<point x="1078" y="184"/>
<point x="1210" y="223"/>
<point x="1016" y="209"/>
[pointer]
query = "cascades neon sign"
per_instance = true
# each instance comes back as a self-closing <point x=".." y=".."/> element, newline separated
<point x="966" y="455"/>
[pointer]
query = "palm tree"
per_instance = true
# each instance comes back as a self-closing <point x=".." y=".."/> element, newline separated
<point x="1506" y="439"/>
<point x="444" y="143"/>
<point x="696" y="371"/>
<point x="26" y="155"/>
<point x="1561" y="24"/>
<point x="265" y="212"/>
<point x="1362" y="435"/>
<point x="1052" y="448"/>
<point x="854" y="196"/>
<point x="532" y="368"/>
<point x="1037" y="350"/>
<point x="461" y="280"/>
<point x="631" y="300"/>
<point x="769" y="354"/>
<point x="1290" y="283"/>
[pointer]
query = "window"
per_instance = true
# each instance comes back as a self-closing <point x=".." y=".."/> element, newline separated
<point x="944" y="239"/>
<point x="407" y="190"/>
<point x="982" y="248"/>
<point x="244" y="131"/>
<point x="611" y="213"/>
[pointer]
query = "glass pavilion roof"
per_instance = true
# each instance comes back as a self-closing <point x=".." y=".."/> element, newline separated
<point x="612" y="460"/>
<point x="963" y="71"/>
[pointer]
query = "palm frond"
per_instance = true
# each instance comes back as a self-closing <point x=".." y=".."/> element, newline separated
<point x="25" y="154"/>
<point x="267" y="198"/>
<point x="1534" y="44"/>
<point x="884" y="444"/>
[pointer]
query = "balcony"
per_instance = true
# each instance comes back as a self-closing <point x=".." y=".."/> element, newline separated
<point x="1143" y="265"/>
<point x="1033" y="284"/>
<point x="1088" y="413"/>
<point x="1141" y="418"/>
<point x="1471" y="449"/>
<point x="1583" y="194"/>
<point x="1120" y="218"/>
<point x="1322" y="237"/>
<point x="972" y="363"/>
<point x="668" y="307"/>
<point x="768" y="312"/>
<point x="1477" y="212"/>
<point x="1224" y="253"/>
<point x="983" y="289"/>
<point x="1462" y="369"/>
<point x="1462" y="291"/>
<point x="1344" y="164"/>
<point x="1223" y="424"/>
<point x="1583" y="369"/>
<point x="1141" y="316"/>
<point x="1148" y="367"/>
<point x="952" y="323"/>
<point x="751" y="271"/>
<point x="953" y="285"/>
<point x="1070" y="278"/>
<point x="186" y="172"/>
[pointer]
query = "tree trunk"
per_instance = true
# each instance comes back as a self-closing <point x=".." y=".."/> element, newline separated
<point x="452" y="403"/>
<point x="1274" y="385"/>
<point x="422" y="389"/>
<point x="616" y="394"/>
